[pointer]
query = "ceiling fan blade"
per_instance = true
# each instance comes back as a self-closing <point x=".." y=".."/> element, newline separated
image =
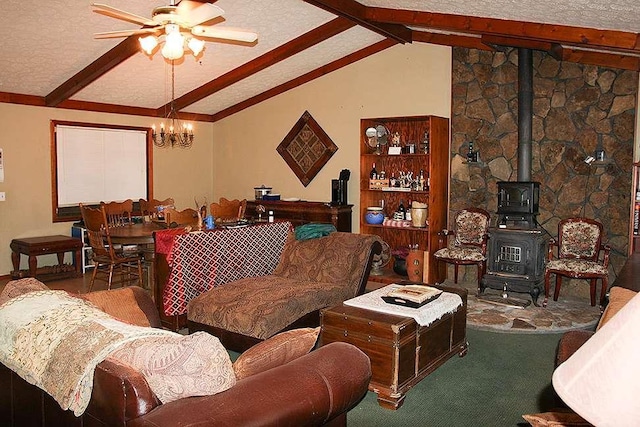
<point x="226" y="34"/>
<point x="124" y="33"/>
<point x="107" y="10"/>
<point x="195" y="13"/>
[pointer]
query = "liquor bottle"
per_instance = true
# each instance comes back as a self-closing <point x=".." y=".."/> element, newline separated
<point x="421" y="181"/>
<point x="402" y="209"/>
<point x="374" y="172"/>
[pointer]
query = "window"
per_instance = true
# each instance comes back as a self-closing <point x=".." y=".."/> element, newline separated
<point x="93" y="163"/>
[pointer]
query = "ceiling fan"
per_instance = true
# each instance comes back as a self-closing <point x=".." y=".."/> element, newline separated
<point x="176" y="25"/>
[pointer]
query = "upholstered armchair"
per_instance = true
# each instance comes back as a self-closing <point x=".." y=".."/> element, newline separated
<point x="580" y="255"/>
<point x="469" y="243"/>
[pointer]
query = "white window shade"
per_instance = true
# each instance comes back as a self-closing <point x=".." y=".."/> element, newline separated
<point x="100" y="165"/>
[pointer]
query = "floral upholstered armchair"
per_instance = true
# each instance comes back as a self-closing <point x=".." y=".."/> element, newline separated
<point x="469" y="245"/>
<point x="579" y="246"/>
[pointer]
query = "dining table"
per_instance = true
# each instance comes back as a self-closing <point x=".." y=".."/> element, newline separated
<point x="135" y="234"/>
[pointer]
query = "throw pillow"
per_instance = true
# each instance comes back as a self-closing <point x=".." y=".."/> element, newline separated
<point x="180" y="366"/>
<point x="556" y="419"/>
<point x="119" y="303"/>
<point x="16" y="288"/>
<point x="618" y="297"/>
<point x="275" y="351"/>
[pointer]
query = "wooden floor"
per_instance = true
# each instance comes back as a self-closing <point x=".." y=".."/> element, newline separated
<point x="79" y="285"/>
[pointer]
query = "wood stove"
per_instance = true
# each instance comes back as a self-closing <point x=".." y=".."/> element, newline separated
<point x="517" y="247"/>
<point x="518" y="202"/>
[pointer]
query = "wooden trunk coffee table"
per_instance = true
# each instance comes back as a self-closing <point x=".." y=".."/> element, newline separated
<point x="401" y="352"/>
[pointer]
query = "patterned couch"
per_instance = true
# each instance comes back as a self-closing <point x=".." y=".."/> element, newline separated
<point x="311" y="275"/>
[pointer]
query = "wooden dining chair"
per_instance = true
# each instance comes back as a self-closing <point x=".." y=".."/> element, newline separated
<point x="110" y="265"/>
<point x="150" y="207"/>
<point x="118" y="213"/>
<point x="228" y="210"/>
<point x="184" y="218"/>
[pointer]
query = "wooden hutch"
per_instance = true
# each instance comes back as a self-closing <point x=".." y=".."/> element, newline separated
<point x="435" y="167"/>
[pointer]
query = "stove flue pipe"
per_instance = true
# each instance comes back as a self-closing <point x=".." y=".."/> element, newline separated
<point x="525" y="113"/>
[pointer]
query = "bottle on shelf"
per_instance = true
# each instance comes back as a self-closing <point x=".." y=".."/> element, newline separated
<point x="374" y="172"/>
<point x="402" y="210"/>
<point x="421" y="181"/>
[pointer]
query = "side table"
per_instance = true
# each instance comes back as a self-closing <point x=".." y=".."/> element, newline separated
<point x="34" y="246"/>
<point x="402" y="352"/>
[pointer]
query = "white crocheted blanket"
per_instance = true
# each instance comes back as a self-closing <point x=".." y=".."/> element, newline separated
<point x="54" y="341"/>
<point x="424" y="316"/>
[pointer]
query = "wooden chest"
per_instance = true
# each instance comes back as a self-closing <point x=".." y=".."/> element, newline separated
<point x="401" y="352"/>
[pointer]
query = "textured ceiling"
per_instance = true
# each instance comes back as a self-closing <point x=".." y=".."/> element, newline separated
<point x="45" y="43"/>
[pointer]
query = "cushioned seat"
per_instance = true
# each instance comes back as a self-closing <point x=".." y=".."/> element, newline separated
<point x="244" y="309"/>
<point x="311" y="275"/>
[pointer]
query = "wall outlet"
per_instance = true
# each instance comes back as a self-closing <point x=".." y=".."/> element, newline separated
<point x="3" y="197"/>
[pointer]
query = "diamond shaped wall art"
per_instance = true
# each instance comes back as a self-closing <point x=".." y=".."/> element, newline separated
<point x="306" y="148"/>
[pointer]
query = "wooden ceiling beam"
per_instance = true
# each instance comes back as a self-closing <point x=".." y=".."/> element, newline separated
<point x="355" y="11"/>
<point x="124" y="50"/>
<point x="297" y="45"/>
<point x="563" y="34"/>
<point x="603" y="59"/>
<point x="305" y="78"/>
<point x="498" y="41"/>
<point x="459" y="40"/>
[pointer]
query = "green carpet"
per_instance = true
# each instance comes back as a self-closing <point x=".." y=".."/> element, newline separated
<point x="502" y="377"/>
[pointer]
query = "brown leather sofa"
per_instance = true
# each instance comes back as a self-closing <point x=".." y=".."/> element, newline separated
<point x="313" y="390"/>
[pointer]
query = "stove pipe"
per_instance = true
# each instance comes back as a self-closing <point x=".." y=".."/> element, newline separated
<point x="525" y="113"/>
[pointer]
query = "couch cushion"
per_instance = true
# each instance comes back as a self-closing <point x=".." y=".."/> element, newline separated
<point x="19" y="287"/>
<point x="260" y="307"/>
<point x="336" y="258"/>
<point x="120" y="303"/>
<point x="180" y="366"/>
<point x="618" y="297"/>
<point x="279" y="349"/>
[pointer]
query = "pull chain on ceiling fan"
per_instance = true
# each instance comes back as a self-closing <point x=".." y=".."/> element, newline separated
<point x="177" y="27"/>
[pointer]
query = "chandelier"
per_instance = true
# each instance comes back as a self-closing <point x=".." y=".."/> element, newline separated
<point x="174" y="43"/>
<point x="172" y="131"/>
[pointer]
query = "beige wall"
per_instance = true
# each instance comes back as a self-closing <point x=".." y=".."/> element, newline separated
<point x="401" y="81"/>
<point x="182" y="174"/>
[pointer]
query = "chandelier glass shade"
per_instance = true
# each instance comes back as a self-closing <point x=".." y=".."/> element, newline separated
<point x="173" y="132"/>
<point x="174" y="43"/>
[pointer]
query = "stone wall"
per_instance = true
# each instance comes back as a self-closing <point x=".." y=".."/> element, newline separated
<point x="577" y="109"/>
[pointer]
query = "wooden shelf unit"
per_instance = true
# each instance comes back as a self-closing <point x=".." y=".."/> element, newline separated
<point x="435" y="165"/>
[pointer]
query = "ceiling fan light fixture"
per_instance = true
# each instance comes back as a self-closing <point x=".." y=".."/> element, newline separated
<point x="148" y="44"/>
<point x="174" y="43"/>
<point x="196" y="46"/>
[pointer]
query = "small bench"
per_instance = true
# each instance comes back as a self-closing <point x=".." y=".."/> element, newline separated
<point x="34" y="246"/>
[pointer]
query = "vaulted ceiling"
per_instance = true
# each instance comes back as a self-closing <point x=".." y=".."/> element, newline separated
<point x="50" y="57"/>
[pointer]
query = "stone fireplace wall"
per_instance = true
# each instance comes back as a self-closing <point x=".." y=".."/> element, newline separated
<point x="576" y="110"/>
